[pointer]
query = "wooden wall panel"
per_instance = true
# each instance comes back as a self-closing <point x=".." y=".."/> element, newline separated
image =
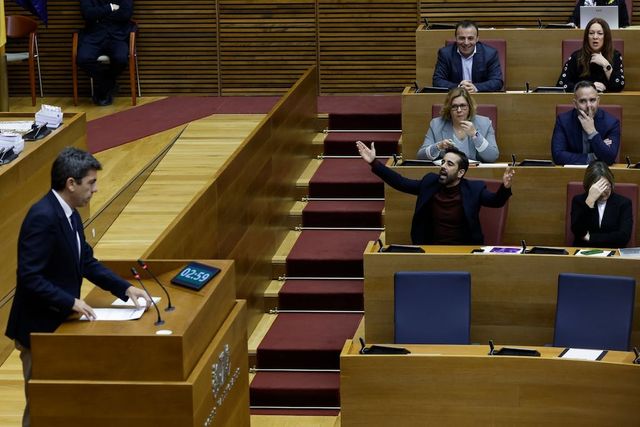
<point x="227" y="47"/>
<point x="265" y="45"/>
<point x="498" y="13"/>
<point x="366" y="46"/>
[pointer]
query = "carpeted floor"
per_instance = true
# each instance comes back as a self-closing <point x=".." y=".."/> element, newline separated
<point x="148" y="119"/>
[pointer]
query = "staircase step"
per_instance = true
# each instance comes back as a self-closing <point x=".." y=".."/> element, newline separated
<point x="329" y="253"/>
<point x="306" y="340"/>
<point x="302" y="389"/>
<point x="321" y="295"/>
<point x="344" y="143"/>
<point x="349" y="213"/>
<point x="366" y="121"/>
<point x="345" y="178"/>
<point x="279" y="260"/>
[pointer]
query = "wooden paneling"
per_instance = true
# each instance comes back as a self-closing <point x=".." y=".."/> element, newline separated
<point x="500" y="13"/>
<point x="22" y="183"/>
<point x="241" y="214"/>
<point x="265" y="45"/>
<point x="513" y="297"/>
<point x="462" y="385"/>
<point x="533" y="55"/>
<point x="526" y="121"/>
<point x="364" y="46"/>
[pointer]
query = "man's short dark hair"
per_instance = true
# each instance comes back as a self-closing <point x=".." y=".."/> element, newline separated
<point x="72" y="163"/>
<point x="584" y="84"/>
<point x="466" y="24"/>
<point x="463" y="162"/>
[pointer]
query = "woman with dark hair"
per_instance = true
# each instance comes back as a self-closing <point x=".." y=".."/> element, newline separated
<point x="599" y="217"/>
<point x="597" y="61"/>
<point x="459" y="126"/>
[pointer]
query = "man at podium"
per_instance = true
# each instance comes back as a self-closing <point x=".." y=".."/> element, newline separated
<point x="53" y="258"/>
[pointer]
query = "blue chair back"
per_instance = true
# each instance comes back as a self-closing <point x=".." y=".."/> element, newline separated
<point x="432" y="307"/>
<point x="594" y="311"/>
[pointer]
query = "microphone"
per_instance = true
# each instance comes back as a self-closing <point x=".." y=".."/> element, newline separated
<point x="513" y="160"/>
<point x="137" y="277"/>
<point x="637" y="353"/>
<point x="492" y="349"/>
<point x="145" y="267"/>
<point x="526" y="87"/>
<point x="524" y="246"/>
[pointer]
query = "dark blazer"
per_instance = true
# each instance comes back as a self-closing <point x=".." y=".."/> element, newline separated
<point x="623" y="13"/>
<point x="50" y="272"/>
<point x="571" y="73"/>
<point x="474" y="195"/>
<point x="566" y="142"/>
<point x="485" y="72"/>
<point x="615" y="229"/>
<point x="101" y="23"/>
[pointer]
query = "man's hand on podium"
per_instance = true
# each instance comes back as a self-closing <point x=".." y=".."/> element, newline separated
<point x="135" y="293"/>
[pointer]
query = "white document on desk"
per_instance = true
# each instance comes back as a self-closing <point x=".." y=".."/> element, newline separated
<point x="582" y="354"/>
<point x="116" y="314"/>
<point x="129" y="303"/>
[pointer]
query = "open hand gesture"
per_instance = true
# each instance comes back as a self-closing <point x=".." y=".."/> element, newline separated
<point x="368" y="154"/>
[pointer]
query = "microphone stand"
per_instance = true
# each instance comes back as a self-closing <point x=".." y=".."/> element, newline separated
<point x="137" y="277"/>
<point x="145" y="267"/>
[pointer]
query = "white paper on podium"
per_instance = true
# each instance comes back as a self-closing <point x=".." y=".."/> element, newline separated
<point x="582" y="354"/>
<point x="129" y="303"/>
<point x="116" y="314"/>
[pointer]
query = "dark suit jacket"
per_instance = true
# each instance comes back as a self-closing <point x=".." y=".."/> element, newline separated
<point x="615" y="229"/>
<point x="101" y="23"/>
<point x="474" y="195"/>
<point x="566" y="142"/>
<point x="485" y="72"/>
<point x="50" y="272"/>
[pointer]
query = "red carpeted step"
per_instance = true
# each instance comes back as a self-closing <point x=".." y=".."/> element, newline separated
<point x="297" y="412"/>
<point x="329" y="253"/>
<point x="345" y="178"/>
<point x="306" y="340"/>
<point x="295" y="389"/>
<point x="348" y="213"/>
<point x="344" y="144"/>
<point x="360" y="104"/>
<point x="365" y="121"/>
<point x="321" y="295"/>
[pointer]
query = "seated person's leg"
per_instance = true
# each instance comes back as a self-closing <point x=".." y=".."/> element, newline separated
<point x="119" y="54"/>
<point x="87" y="59"/>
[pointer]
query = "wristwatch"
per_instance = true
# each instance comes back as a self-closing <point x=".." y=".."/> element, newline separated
<point x="608" y="67"/>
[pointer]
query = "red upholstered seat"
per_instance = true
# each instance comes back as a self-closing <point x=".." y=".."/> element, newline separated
<point x="629" y="191"/>
<point x="493" y="220"/>
<point x="571" y="45"/>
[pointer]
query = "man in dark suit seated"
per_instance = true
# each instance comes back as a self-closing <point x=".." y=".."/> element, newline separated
<point x="468" y="63"/>
<point x="448" y="205"/>
<point x="585" y="133"/>
<point x="106" y="32"/>
<point x="53" y="259"/>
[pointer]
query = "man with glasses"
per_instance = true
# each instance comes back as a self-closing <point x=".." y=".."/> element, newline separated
<point x="448" y="205"/>
<point x="585" y="133"/>
<point x="468" y="63"/>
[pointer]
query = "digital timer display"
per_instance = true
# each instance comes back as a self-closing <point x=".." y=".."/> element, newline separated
<point x="195" y="275"/>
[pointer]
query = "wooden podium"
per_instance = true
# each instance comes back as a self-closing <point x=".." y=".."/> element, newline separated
<point x="122" y="373"/>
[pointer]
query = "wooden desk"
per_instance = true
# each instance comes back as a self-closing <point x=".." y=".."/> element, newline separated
<point x="513" y="297"/>
<point x="123" y="373"/>
<point x="525" y="121"/>
<point x="533" y="55"/>
<point x="462" y="385"/>
<point x="23" y="182"/>
<point x="536" y="209"/>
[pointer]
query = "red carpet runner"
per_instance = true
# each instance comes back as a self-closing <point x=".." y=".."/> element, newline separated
<point x="327" y="265"/>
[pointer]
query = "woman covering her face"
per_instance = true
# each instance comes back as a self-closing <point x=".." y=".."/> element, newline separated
<point x="459" y="126"/>
<point x="600" y="218"/>
<point x="597" y="61"/>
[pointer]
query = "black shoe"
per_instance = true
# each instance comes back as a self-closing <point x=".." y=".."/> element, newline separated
<point x="115" y="89"/>
<point x="103" y="101"/>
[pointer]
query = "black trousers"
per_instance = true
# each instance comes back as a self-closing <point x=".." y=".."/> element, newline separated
<point x="104" y="75"/>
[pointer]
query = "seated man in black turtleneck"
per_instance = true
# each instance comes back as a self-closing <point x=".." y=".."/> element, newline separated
<point x="448" y="205"/>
